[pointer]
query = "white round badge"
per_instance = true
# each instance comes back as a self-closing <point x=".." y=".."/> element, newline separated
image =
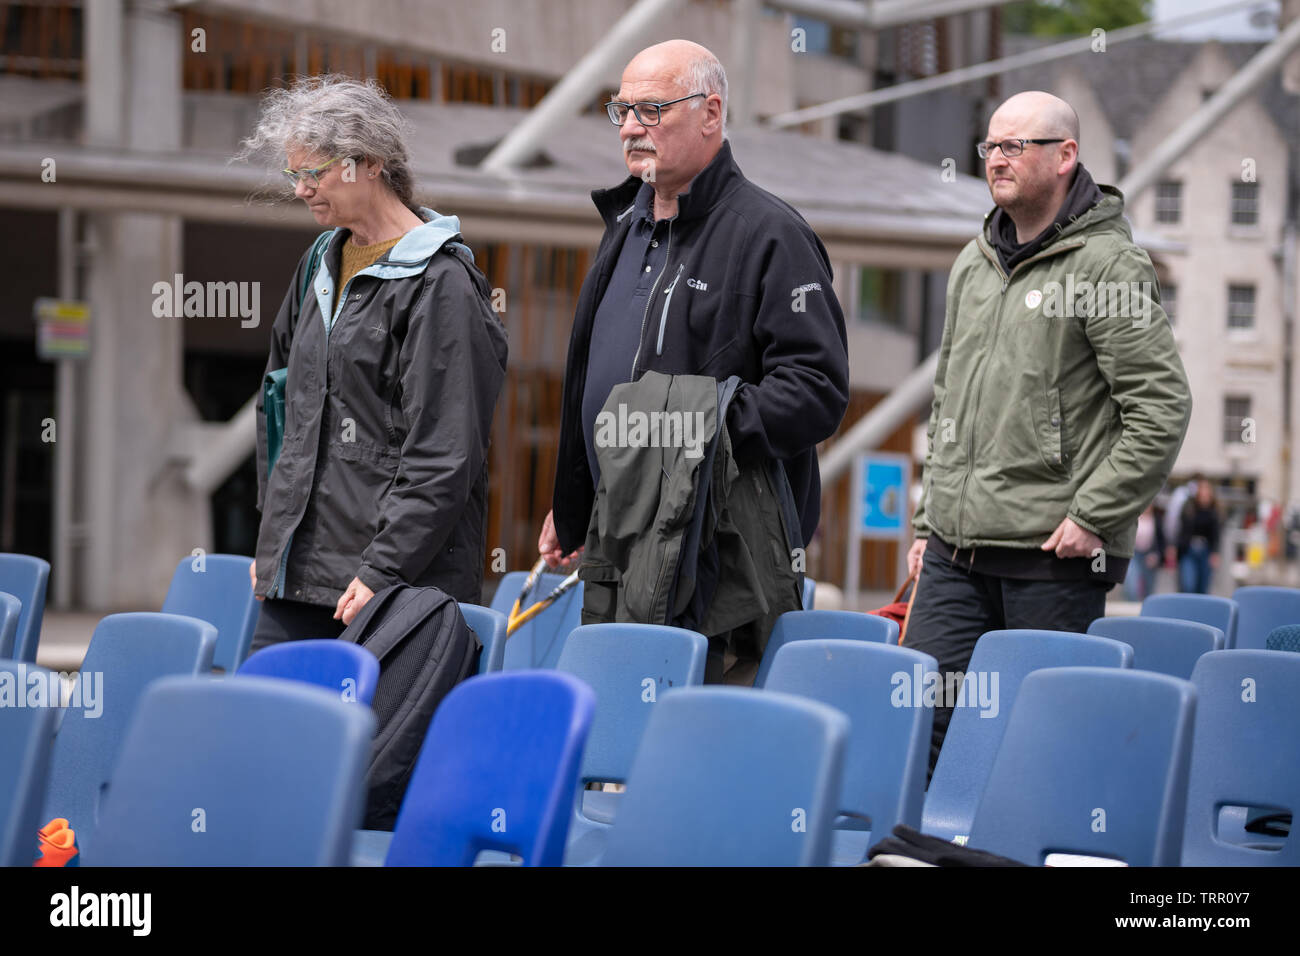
<point x="1032" y="298"/>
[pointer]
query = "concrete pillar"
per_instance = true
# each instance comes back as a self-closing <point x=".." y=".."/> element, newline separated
<point x="141" y="517"/>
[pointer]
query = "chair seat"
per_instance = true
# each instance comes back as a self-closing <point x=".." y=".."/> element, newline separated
<point x="370" y="847"/>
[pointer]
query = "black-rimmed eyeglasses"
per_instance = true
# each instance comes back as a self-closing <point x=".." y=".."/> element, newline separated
<point x="1010" y="147"/>
<point x="647" y="114"/>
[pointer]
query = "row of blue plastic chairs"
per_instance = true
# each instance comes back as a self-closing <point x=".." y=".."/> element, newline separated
<point x="90" y="762"/>
<point x="1073" y="751"/>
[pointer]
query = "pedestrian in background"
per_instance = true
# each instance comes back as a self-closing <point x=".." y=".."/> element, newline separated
<point x="1199" y="527"/>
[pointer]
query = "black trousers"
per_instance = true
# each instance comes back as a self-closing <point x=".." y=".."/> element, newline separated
<point x="954" y="606"/>
<point x="293" y="621"/>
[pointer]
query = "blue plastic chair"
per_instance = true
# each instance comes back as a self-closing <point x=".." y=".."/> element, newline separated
<point x="1161" y="644"/>
<point x="728" y="776"/>
<point x="490" y="626"/>
<point x="1284" y="638"/>
<point x="629" y="666"/>
<point x="809" y="593"/>
<point x="975" y="732"/>
<point x="26" y="578"/>
<point x="26" y="734"/>
<point x="1208" y="609"/>
<point x="251" y="771"/>
<point x="11" y="611"/>
<point x="889" y="737"/>
<point x="498" y="771"/>
<point x="1261" y="610"/>
<point x="126" y="653"/>
<point x="539" y="642"/>
<point x="1243" y="755"/>
<point x="824" y="626"/>
<point x="1094" y="762"/>
<point x="347" y="669"/>
<point x="222" y="595"/>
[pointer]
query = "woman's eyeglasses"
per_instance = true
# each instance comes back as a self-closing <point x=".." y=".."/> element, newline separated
<point x="310" y="176"/>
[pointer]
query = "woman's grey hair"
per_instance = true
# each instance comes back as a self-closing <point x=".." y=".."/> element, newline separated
<point x="336" y="115"/>
<point x="704" y="74"/>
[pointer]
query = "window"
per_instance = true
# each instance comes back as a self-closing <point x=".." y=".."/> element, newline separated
<point x="879" y="296"/>
<point x="1169" y="300"/>
<point x="1236" y="410"/>
<point x="1169" y="202"/>
<point x="1241" y="306"/>
<point x="1245" y="204"/>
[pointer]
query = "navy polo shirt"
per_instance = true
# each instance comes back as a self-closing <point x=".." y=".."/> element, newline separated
<point x="616" y="329"/>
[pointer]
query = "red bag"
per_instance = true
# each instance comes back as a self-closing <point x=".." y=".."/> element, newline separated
<point x="900" y="610"/>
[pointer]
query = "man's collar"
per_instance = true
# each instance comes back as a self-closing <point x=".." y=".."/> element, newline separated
<point x="702" y="194"/>
<point x="645" y="201"/>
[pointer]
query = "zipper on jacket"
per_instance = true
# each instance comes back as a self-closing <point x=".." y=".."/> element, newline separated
<point x="979" y="381"/>
<point x="277" y="589"/>
<point x="663" y="317"/>
<point x="668" y="249"/>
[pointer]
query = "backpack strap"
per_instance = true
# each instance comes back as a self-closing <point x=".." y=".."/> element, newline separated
<point x="313" y="263"/>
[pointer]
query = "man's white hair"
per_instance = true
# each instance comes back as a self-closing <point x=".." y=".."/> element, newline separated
<point x="704" y="74"/>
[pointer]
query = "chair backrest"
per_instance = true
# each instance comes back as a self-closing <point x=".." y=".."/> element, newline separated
<point x="889" y="733"/>
<point x="1165" y="645"/>
<point x="809" y="593"/>
<point x="1208" y="609"/>
<point x="539" y="642"/>
<point x="629" y="666"/>
<point x="1000" y="662"/>
<point x="126" y="653"/>
<point x="490" y="626"/>
<point x="1243" y="752"/>
<point x="1284" y="638"/>
<point x="26" y="577"/>
<point x="26" y="735"/>
<point x="498" y="771"/>
<point x="728" y="776"/>
<point x="824" y="626"/>
<point x="1261" y="609"/>
<point x="347" y="669"/>
<point x="216" y="589"/>
<point x="11" y="611"/>
<point x="1094" y="762"/>
<point x="251" y="771"/>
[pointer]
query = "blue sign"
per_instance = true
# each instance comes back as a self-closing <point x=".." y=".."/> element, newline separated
<point x="882" y="495"/>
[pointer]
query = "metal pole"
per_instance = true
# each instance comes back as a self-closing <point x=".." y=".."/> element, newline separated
<point x="65" y="435"/>
<point x="744" y="43"/>
<point x="624" y="39"/>
<point x="900" y="91"/>
<point x="853" y="556"/>
<point x="1239" y="86"/>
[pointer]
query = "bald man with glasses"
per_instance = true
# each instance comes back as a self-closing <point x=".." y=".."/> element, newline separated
<point x="1060" y="402"/>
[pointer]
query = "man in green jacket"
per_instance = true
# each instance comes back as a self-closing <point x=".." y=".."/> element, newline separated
<point x="1060" y="402"/>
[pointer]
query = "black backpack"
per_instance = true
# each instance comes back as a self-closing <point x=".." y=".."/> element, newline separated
<point x="425" y="648"/>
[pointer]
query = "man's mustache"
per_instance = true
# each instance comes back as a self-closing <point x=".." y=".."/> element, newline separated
<point x="645" y="144"/>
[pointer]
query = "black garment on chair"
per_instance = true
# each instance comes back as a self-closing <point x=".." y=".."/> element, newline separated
<point x="425" y="648"/>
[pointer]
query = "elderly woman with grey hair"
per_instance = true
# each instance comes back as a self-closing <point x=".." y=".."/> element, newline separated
<point x="394" y="362"/>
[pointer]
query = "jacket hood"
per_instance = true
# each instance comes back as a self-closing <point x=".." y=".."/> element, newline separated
<point x="1110" y="208"/>
<point x="410" y="256"/>
<point x="423" y="241"/>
